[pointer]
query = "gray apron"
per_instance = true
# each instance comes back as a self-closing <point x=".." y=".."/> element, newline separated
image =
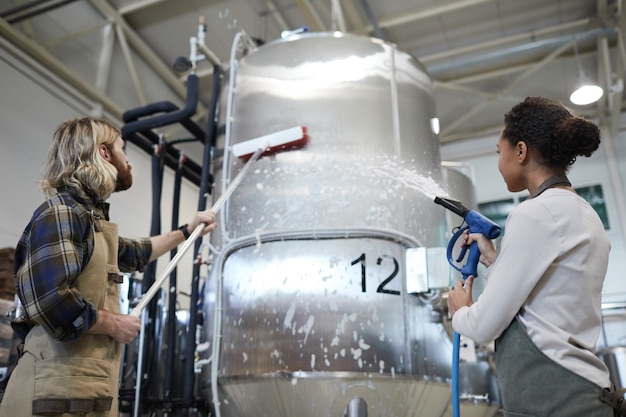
<point x="78" y="378"/>
<point x="532" y="384"/>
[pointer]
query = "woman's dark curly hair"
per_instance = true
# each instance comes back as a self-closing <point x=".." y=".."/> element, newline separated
<point x="549" y="128"/>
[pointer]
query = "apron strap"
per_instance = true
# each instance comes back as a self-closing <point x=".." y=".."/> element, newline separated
<point x="55" y="406"/>
<point x="615" y="398"/>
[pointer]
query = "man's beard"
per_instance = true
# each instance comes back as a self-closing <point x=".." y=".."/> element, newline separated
<point x="124" y="176"/>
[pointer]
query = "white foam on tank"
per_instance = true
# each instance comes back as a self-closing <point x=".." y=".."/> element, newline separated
<point x="313" y="361"/>
<point x="291" y="312"/>
<point x="306" y="329"/>
<point x="363" y="345"/>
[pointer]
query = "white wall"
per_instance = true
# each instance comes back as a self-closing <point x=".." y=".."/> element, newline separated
<point x="481" y="156"/>
<point x="32" y="108"/>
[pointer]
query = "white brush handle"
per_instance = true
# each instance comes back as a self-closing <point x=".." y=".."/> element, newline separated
<point x="154" y="288"/>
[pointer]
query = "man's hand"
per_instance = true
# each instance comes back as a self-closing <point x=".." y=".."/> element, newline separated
<point x="207" y="217"/>
<point x="121" y="327"/>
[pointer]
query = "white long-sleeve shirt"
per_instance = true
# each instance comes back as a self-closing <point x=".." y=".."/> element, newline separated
<point x="549" y="271"/>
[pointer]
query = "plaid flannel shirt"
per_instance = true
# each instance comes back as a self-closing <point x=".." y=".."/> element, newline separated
<point x="53" y="250"/>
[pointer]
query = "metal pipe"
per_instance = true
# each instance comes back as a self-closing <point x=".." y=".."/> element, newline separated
<point x="434" y="70"/>
<point x="378" y="32"/>
<point x="526" y="37"/>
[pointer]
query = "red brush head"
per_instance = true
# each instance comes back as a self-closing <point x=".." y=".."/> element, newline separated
<point x="287" y="146"/>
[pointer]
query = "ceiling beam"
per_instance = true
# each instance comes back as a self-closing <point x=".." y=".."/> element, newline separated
<point x="276" y="15"/>
<point x="137" y="6"/>
<point x="141" y="48"/>
<point x="58" y="68"/>
<point x="440" y="9"/>
<point x="531" y="36"/>
<point x="358" y="27"/>
<point x="311" y="16"/>
<point x="508" y="88"/>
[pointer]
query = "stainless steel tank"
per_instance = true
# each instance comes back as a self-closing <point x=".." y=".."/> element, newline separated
<point x="325" y="293"/>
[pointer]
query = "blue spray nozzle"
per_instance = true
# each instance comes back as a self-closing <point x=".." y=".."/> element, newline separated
<point x="475" y="223"/>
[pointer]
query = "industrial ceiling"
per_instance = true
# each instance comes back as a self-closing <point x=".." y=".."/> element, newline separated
<point x="483" y="55"/>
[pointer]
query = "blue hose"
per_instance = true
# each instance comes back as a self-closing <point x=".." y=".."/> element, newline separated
<point x="456" y="347"/>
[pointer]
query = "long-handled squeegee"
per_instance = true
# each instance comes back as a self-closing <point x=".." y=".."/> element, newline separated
<point x="251" y="150"/>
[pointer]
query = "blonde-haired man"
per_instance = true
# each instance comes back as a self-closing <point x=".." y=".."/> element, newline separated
<point x="67" y="270"/>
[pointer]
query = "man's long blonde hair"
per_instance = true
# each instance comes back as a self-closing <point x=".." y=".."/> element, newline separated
<point x="74" y="160"/>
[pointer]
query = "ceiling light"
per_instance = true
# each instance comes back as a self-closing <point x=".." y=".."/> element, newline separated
<point x="588" y="92"/>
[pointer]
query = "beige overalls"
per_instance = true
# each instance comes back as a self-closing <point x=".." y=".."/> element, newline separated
<point x="77" y="378"/>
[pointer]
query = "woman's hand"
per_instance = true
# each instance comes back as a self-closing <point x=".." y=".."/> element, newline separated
<point x="460" y="297"/>
<point x="485" y="246"/>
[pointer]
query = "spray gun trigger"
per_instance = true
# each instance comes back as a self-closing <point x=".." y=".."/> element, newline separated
<point x="462" y="253"/>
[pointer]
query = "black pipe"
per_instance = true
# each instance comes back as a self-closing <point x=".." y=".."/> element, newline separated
<point x="145" y="140"/>
<point x="133" y="115"/>
<point x="151" y="354"/>
<point x="378" y="32"/>
<point x="205" y="183"/>
<point x="182" y="116"/>
<point x="171" y="308"/>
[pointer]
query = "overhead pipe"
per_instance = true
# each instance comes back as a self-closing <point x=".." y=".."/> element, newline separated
<point x="434" y="70"/>
<point x="526" y="37"/>
<point x="182" y="116"/>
